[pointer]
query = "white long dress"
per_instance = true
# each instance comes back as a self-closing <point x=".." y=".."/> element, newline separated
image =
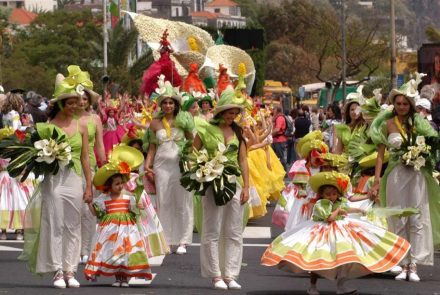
<point x="175" y="204"/>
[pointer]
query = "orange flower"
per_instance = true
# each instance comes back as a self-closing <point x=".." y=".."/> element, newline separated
<point x="124" y="168"/>
<point x="342" y="183"/>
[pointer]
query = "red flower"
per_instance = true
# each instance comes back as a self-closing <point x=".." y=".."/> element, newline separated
<point x="342" y="184"/>
<point x="124" y="168"/>
<point x="132" y="131"/>
<point x="20" y="135"/>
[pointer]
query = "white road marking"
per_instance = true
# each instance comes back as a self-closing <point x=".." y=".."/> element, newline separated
<point x="257" y="232"/>
<point x="140" y="282"/>
<point x="10" y="249"/>
<point x="244" y="245"/>
<point x="156" y="261"/>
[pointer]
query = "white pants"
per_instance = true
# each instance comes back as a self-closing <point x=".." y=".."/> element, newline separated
<point x="407" y="188"/>
<point x="221" y="248"/>
<point x="60" y="233"/>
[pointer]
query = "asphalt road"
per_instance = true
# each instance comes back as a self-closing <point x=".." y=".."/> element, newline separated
<point x="180" y="274"/>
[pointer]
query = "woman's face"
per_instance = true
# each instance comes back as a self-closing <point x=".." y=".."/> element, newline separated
<point x="70" y="106"/>
<point x="330" y="113"/>
<point x="401" y="105"/>
<point x="194" y="109"/>
<point x="111" y="114"/>
<point x="205" y="105"/>
<point x="354" y="111"/>
<point x="330" y="193"/>
<point x="83" y="103"/>
<point x="230" y="115"/>
<point x="168" y="106"/>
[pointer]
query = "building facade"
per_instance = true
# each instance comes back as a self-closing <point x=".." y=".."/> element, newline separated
<point x="31" y="5"/>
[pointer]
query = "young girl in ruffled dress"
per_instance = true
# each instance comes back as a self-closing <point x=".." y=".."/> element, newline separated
<point x="120" y="249"/>
<point x="332" y="245"/>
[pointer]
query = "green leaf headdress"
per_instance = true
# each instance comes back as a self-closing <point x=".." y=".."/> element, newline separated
<point x="74" y="85"/>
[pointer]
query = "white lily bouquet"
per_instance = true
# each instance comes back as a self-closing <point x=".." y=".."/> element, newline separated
<point x="200" y="171"/>
<point x="42" y="152"/>
<point x="415" y="152"/>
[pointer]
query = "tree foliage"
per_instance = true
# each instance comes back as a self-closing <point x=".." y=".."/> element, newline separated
<point x="58" y="39"/>
<point x="305" y="44"/>
<point x="433" y="34"/>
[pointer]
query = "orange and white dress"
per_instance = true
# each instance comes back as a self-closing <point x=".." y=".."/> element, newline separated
<point x="119" y="247"/>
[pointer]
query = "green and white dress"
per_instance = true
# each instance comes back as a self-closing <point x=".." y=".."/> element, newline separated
<point x="344" y="248"/>
<point x="403" y="186"/>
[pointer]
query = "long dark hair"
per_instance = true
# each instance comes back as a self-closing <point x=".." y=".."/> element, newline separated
<point x="336" y="111"/>
<point x="54" y="109"/>
<point x="359" y="121"/>
<point x="235" y="127"/>
<point x="409" y="122"/>
<point x="176" y="104"/>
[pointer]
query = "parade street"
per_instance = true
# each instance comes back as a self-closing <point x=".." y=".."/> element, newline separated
<point x="180" y="274"/>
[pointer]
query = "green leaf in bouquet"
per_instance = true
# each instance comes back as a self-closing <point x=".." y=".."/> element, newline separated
<point x="223" y="195"/>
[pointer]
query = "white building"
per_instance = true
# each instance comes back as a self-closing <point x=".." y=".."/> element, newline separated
<point x="31" y="5"/>
<point x="219" y="14"/>
<point x="40" y="5"/>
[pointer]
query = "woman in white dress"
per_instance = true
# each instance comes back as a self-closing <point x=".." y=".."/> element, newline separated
<point x="166" y="136"/>
<point x="405" y="186"/>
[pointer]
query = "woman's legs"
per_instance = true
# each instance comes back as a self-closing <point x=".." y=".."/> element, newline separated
<point x="313" y="290"/>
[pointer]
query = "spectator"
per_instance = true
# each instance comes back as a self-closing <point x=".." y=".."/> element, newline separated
<point x="279" y="139"/>
<point x="291" y="157"/>
<point x="32" y="107"/>
<point x="314" y="118"/>
<point x="423" y="107"/>
<point x="302" y="125"/>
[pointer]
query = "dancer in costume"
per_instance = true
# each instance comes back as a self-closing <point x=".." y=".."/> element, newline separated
<point x="95" y="134"/>
<point x="353" y="123"/>
<point x="310" y="148"/>
<point x="332" y="245"/>
<point x="206" y="105"/>
<point x="62" y="195"/>
<point x="14" y="195"/>
<point x="166" y="137"/>
<point x="113" y="130"/>
<point x="221" y="246"/>
<point x="120" y="249"/>
<point x="408" y="183"/>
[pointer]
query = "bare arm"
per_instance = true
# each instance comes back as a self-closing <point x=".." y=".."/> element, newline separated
<point x="338" y="147"/>
<point x="99" y="141"/>
<point x="377" y="171"/>
<point x="197" y="143"/>
<point x="85" y="163"/>
<point x="244" y="197"/>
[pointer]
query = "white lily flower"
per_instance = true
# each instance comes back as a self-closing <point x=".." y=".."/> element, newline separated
<point x="420" y="140"/>
<point x="80" y="89"/>
<point x="39" y="145"/>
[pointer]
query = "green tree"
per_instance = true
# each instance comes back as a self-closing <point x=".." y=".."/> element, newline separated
<point x="433" y="34"/>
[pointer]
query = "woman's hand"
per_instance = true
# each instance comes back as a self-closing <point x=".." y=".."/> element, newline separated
<point x="244" y="196"/>
<point x="88" y="196"/>
<point x="374" y="191"/>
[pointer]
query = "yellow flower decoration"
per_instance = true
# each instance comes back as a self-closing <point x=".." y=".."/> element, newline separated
<point x="192" y="43"/>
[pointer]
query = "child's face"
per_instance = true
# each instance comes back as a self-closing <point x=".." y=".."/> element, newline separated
<point x="330" y="193"/>
<point x="117" y="185"/>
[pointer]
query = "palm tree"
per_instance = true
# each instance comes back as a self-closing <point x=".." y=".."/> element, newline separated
<point x="123" y="66"/>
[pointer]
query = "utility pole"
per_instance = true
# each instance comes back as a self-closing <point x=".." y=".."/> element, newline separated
<point x="344" y="53"/>
<point x="104" y="10"/>
<point x="393" y="47"/>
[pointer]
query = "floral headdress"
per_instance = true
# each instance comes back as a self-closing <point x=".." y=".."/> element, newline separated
<point x="122" y="160"/>
<point x="339" y="180"/>
<point x="74" y="85"/>
<point x="409" y="90"/>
